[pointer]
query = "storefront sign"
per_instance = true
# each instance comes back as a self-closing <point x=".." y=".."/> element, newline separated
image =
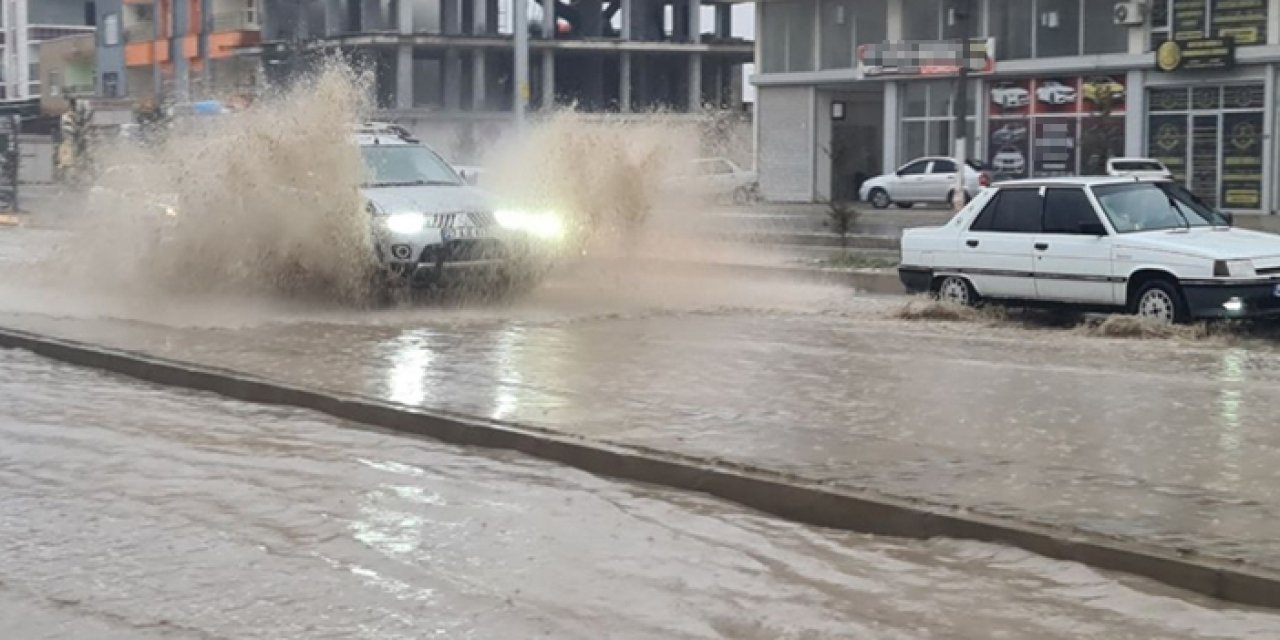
<point x="1245" y="21"/>
<point x="1189" y="19"/>
<point x="1168" y="143"/>
<point x="1204" y="53"/>
<point x="932" y="58"/>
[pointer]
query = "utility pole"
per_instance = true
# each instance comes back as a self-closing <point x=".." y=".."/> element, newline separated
<point x="961" y="12"/>
<point x="520" y="81"/>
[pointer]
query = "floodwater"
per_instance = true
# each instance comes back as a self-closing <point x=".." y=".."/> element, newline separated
<point x="135" y="511"/>
<point x="1168" y="442"/>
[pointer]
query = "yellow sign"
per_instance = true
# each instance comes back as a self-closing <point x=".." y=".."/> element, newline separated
<point x="1169" y="56"/>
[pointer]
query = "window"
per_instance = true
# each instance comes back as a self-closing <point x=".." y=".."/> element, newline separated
<point x="943" y="166"/>
<point x="914" y="169"/>
<point x="1011" y="211"/>
<point x="1011" y="24"/>
<point x="1067" y="211"/>
<point x="838" y="20"/>
<point x="927" y="117"/>
<point x="1101" y="33"/>
<point x="922" y="20"/>
<point x="111" y="30"/>
<point x="111" y="84"/>
<point x="1058" y="28"/>
<point x="787" y="37"/>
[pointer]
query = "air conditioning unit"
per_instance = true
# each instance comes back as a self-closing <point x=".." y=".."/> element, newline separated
<point x="1132" y="13"/>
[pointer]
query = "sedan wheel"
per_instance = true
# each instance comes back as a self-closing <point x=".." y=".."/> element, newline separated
<point x="880" y="198"/>
<point x="957" y="290"/>
<point x="1159" y="302"/>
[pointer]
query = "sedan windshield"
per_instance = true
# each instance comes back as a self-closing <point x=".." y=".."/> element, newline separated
<point x="1153" y="206"/>
<point x="397" y="165"/>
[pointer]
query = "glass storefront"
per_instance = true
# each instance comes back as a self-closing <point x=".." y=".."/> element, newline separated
<point x="1211" y="138"/>
<point x="1054" y="126"/>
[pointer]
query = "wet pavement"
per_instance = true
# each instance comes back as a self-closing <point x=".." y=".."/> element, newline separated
<point x="136" y="511"/>
<point x="1163" y="441"/>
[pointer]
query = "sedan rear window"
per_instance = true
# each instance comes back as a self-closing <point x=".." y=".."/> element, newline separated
<point x="1011" y="211"/>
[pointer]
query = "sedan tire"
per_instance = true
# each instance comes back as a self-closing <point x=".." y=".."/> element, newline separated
<point x="957" y="290"/>
<point x="879" y="198"/>
<point x="1160" y="302"/>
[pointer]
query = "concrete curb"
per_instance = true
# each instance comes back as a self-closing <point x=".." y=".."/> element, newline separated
<point x="771" y="492"/>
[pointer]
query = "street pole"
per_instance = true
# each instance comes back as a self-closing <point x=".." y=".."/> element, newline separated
<point x="961" y="13"/>
<point x="520" y="83"/>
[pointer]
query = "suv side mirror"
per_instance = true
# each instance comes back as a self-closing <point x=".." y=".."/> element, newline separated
<point x="1092" y="229"/>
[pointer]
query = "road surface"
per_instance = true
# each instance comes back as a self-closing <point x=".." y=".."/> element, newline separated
<point x="134" y="511"/>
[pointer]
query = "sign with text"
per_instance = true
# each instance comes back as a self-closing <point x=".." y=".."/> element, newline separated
<point x="932" y="58"/>
<point x="1190" y="55"/>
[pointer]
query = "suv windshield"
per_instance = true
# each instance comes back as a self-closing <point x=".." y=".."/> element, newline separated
<point x="402" y="165"/>
<point x="1153" y="206"/>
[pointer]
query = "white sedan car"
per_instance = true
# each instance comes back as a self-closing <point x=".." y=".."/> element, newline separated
<point x="923" y="180"/>
<point x="1149" y="248"/>
<point x="1010" y="96"/>
<point x="1054" y="92"/>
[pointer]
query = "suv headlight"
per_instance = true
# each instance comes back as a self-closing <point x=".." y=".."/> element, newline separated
<point x="406" y="223"/>
<point x="1234" y="269"/>
<point x="547" y="226"/>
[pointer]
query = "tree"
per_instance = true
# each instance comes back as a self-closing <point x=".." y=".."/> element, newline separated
<point x="1101" y="131"/>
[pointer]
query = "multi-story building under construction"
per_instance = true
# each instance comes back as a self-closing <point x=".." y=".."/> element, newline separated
<point x="457" y="55"/>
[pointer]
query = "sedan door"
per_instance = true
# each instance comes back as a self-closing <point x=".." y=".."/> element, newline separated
<point x="940" y="181"/>
<point x="1073" y="254"/>
<point x="910" y="183"/>
<point x="997" y="251"/>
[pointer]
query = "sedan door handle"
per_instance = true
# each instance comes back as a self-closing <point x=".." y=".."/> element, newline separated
<point x="1041" y="246"/>
<point x="972" y="243"/>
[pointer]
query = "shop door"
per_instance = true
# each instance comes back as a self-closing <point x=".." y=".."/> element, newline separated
<point x="1202" y="176"/>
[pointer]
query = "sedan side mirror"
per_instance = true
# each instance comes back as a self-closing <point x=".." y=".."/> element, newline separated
<point x="1229" y="217"/>
<point x="1092" y="229"/>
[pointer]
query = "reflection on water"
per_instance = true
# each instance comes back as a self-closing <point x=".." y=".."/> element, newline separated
<point x="1230" y="404"/>
<point x="507" y="358"/>
<point x="411" y="356"/>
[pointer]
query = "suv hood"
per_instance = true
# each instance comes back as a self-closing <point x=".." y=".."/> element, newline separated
<point x="1217" y="244"/>
<point x="427" y="199"/>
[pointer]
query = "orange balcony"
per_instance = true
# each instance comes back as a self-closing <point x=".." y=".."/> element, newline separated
<point x="221" y="45"/>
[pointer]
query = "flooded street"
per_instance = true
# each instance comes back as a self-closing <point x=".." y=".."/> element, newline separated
<point x="133" y="511"/>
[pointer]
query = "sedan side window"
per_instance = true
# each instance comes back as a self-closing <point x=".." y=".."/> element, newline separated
<point x="1069" y="211"/>
<point x="1011" y="211"/>
<point x="915" y="168"/>
<point x="943" y="166"/>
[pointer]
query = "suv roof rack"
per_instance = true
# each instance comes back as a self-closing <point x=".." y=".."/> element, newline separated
<point x="385" y="129"/>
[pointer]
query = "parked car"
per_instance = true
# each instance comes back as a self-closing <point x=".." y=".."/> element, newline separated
<point x="1138" y="167"/>
<point x="1054" y="92"/>
<point x="923" y="180"/>
<point x="1009" y="160"/>
<point x="1010" y="96"/>
<point x="720" y="179"/>
<point x="1009" y="134"/>
<point x="1146" y="247"/>
<point x="1095" y="88"/>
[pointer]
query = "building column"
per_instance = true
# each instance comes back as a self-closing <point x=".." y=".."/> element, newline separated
<point x="889" y="161"/>
<point x="624" y="82"/>
<point x="549" y="18"/>
<point x="548" y="79"/>
<point x="625" y="22"/>
<point x="177" y="53"/>
<point x="1135" y="113"/>
<point x="404" y="17"/>
<point x="451" y="24"/>
<point x="695" y="59"/>
<point x="479" y="61"/>
<point x="724" y="20"/>
<point x="404" y="77"/>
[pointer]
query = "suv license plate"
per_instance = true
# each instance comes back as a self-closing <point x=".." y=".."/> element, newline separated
<point x="465" y="233"/>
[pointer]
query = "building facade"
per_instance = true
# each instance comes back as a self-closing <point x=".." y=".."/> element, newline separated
<point x="1068" y="86"/>
<point x="177" y="50"/>
<point x="26" y="24"/>
<point x="457" y="55"/>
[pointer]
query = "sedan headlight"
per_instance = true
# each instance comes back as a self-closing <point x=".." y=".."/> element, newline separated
<point x="547" y="226"/>
<point x="406" y="223"/>
<point x="1234" y="269"/>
